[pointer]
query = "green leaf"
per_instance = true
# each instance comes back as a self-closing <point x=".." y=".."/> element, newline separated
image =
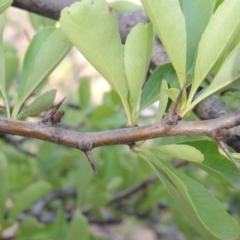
<point x="217" y="4"/>
<point x="169" y="22"/>
<point x="61" y="226"/>
<point x="29" y="196"/>
<point x="215" y="163"/>
<point x="38" y="21"/>
<point x="29" y="227"/>
<point x="78" y="227"/>
<point x="4" y="4"/>
<point x="201" y="208"/>
<point x="124" y="7"/>
<point x="150" y="93"/>
<point x="221" y="32"/>
<point x="47" y="49"/>
<point x="4" y="184"/>
<point x="39" y="105"/>
<point x="137" y="55"/>
<point x="84" y="93"/>
<point x="181" y="151"/>
<point x="197" y="15"/>
<point x="92" y="27"/>
<point x="2" y="67"/>
<point x="228" y="76"/>
<point x="163" y="101"/>
<point x="172" y="93"/>
<point x="11" y="63"/>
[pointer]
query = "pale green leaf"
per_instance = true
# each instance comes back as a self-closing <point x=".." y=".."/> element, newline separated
<point x="78" y="228"/>
<point x="84" y="93"/>
<point x="44" y="54"/>
<point x="124" y="7"/>
<point x="227" y="76"/>
<point x="215" y="163"/>
<point x="169" y="23"/>
<point x="4" y="4"/>
<point x="150" y="93"/>
<point x="202" y="209"/>
<point x="172" y="93"/>
<point x="92" y="27"/>
<point x="221" y="32"/>
<point x="33" y="49"/>
<point x="11" y="63"/>
<point x="137" y="55"/>
<point x="197" y="14"/>
<point x="29" y="196"/>
<point x="39" y="105"/>
<point x="163" y="101"/>
<point x="180" y="151"/>
<point x="4" y="184"/>
<point x="216" y="222"/>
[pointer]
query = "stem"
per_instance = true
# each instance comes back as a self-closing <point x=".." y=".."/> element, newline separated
<point x="126" y="136"/>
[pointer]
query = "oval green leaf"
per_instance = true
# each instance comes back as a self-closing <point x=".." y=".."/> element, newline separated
<point x="45" y="52"/>
<point x="29" y="196"/>
<point x="137" y="55"/>
<point x="220" y="33"/>
<point x="151" y="90"/>
<point x="180" y="151"/>
<point x="169" y="23"/>
<point x="197" y="14"/>
<point x="215" y="163"/>
<point x="92" y="27"/>
<point x="39" y="105"/>
<point x="78" y="228"/>
<point x="228" y="76"/>
<point x="163" y="101"/>
<point x="201" y="208"/>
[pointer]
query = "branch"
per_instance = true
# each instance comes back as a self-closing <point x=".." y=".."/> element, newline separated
<point x="84" y="141"/>
<point x="46" y="8"/>
<point x="211" y="108"/>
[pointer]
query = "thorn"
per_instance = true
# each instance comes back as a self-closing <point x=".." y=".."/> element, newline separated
<point x="171" y="117"/>
<point x="55" y="115"/>
<point x="222" y="145"/>
<point x="91" y="161"/>
<point x="54" y="110"/>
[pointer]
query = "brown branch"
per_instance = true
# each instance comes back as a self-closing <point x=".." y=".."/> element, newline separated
<point x="46" y="8"/>
<point x="80" y="140"/>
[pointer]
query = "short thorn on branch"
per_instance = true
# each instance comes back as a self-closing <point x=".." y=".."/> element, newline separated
<point x="172" y="118"/>
<point x="91" y="161"/>
<point x="86" y="147"/>
<point x="218" y="136"/>
<point x="54" y="116"/>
